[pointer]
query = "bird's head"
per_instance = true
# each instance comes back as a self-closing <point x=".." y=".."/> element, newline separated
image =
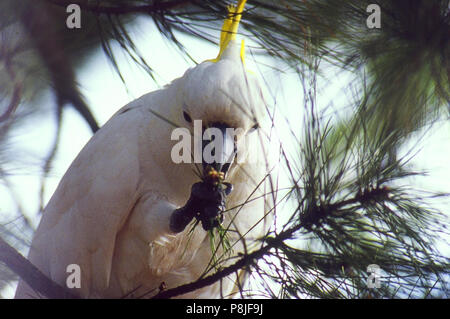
<point x="223" y="95"/>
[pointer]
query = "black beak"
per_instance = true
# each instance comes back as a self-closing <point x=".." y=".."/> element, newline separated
<point x="219" y="148"/>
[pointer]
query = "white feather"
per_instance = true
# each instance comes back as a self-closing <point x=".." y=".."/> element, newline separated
<point x="110" y="213"/>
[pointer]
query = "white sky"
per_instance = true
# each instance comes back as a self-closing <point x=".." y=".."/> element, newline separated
<point x="105" y="93"/>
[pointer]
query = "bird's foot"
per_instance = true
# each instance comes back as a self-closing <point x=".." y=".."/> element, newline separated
<point x="206" y="204"/>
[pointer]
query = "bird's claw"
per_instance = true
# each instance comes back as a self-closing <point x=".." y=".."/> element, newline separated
<point x="206" y="204"/>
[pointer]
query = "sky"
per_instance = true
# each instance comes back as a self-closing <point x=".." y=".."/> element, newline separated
<point x="105" y="92"/>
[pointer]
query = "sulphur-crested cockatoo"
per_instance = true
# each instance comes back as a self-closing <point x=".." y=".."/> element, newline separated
<point x="124" y="212"/>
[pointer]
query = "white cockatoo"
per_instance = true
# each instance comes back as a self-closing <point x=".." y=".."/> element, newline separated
<point x="125" y="210"/>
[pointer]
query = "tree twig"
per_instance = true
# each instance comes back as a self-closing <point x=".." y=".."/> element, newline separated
<point x="123" y="9"/>
<point x="47" y="41"/>
<point x="243" y="262"/>
<point x="271" y="243"/>
<point x="31" y="274"/>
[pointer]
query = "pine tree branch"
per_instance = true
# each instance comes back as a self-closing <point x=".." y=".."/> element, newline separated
<point x="277" y="242"/>
<point x="243" y="262"/>
<point x="121" y="9"/>
<point x="47" y="41"/>
<point x="31" y="274"/>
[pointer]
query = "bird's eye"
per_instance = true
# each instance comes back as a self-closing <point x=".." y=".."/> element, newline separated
<point x="187" y="117"/>
<point x="254" y="128"/>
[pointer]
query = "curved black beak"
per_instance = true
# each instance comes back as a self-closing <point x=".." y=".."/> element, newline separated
<point x="219" y="147"/>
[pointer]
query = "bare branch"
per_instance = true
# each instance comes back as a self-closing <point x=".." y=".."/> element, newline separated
<point x="31" y="274"/>
<point x="47" y="40"/>
<point x="243" y="262"/>
<point x="124" y="9"/>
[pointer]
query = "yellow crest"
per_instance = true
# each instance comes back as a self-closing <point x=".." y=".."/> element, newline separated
<point x="230" y="28"/>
